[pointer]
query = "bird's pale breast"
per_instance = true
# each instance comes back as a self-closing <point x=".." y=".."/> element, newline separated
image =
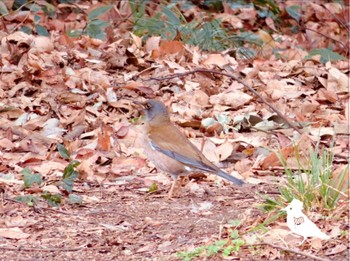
<point x="162" y="161"/>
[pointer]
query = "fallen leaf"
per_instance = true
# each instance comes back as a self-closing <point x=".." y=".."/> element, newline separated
<point x="13" y="233"/>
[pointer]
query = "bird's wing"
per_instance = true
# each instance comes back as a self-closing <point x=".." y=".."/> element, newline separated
<point x="182" y="150"/>
<point x="173" y="143"/>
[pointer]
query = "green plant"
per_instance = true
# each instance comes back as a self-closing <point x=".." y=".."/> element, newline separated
<point x="70" y="174"/>
<point x="94" y="27"/>
<point x="326" y="55"/>
<point x="206" y="32"/>
<point x="224" y="246"/>
<point x="313" y="184"/>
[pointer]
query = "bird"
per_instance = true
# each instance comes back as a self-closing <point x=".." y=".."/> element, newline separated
<point x="170" y="150"/>
<point x="300" y="224"/>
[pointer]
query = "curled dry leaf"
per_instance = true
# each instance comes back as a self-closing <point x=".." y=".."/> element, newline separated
<point x="224" y="150"/>
<point x="208" y="148"/>
<point x="20" y="38"/>
<point x="42" y="44"/>
<point x="13" y="233"/>
<point x="243" y="165"/>
<point x="122" y="130"/>
<point x="233" y="99"/>
<point x="169" y="49"/>
<point x="152" y="43"/>
<point x="335" y="250"/>
<point x="339" y="80"/>
<point x="51" y="129"/>
<point x="16" y="221"/>
<point x="127" y="164"/>
<point x="52" y="189"/>
<point x="273" y="161"/>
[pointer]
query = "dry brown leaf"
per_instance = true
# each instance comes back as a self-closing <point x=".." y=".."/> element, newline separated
<point x="272" y="159"/>
<point x="243" y="166"/>
<point x="224" y="150"/>
<point x="127" y="164"/>
<point x="13" y="233"/>
<point x="104" y="138"/>
<point x="169" y="49"/>
<point x="337" y="81"/>
<point x="233" y="99"/>
<point x="152" y="43"/>
<point x="338" y="248"/>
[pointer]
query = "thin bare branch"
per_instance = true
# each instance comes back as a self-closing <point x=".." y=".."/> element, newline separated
<point x="203" y="70"/>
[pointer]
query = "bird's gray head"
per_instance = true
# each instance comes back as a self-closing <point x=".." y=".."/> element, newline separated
<point x="156" y="112"/>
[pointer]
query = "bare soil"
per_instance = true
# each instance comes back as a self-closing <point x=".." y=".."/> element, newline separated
<point x="126" y="224"/>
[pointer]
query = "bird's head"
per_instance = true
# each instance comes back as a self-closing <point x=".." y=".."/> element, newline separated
<point x="295" y="206"/>
<point x="155" y="112"/>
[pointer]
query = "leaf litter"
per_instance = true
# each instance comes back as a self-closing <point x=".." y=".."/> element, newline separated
<point x="55" y="90"/>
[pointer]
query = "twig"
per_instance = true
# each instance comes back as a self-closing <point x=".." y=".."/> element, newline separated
<point x="338" y="191"/>
<point x="108" y="212"/>
<point x="203" y="70"/>
<point x="293" y="250"/>
<point x="337" y="19"/>
<point x="326" y="36"/>
<point x="51" y="249"/>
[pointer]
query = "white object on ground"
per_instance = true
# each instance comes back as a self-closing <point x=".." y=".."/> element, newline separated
<point x="300" y="224"/>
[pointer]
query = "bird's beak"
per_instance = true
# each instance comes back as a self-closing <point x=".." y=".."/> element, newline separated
<point x="139" y="105"/>
<point x="284" y="209"/>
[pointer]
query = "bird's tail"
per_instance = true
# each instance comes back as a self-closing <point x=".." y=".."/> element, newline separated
<point x="322" y="235"/>
<point x="233" y="179"/>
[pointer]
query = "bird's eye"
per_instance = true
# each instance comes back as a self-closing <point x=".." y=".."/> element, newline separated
<point x="148" y="106"/>
<point x="290" y="208"/>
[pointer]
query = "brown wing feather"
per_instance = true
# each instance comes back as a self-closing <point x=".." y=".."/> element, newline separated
<point x="182" y="150"/>
<point x="179" y="144"/>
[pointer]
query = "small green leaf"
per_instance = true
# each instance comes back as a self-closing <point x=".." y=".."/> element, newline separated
<point x="28" y="199"/>
<point x="153" y="187"/>
<point x="49" y="9"/>
<point x="70" y="175"/>
<point x="99" y="11"/>
<point x="26" y="29"/>
<point x="208" y="122"/>
<point x="25" y="171"/>
<point x="234" y="234"/>
<point x="3" y="9"/>
<point x="74" y="33"/>
<point x="29" y="178"/>
<point x="294" y="12"/>
<point x="34" y="8"/>
<point x="41" y="30"/>
<point x="70" y="169"/>
<point x="52" y="199"/>
<point x="18" y="4"/>
<point x="98" y="23"/>
<point x="95" y="31"/>
<point x="235" y="222"/>
<point x="326" y="55"/>
<point x="237" y="243"/>
<point x="75" y="199"/>
<point x="36" y="19"/>
<point x="63" y="151"/>
<point x="223" y="118"/>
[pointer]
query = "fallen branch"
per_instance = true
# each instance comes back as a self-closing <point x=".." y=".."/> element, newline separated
<point x="203" y="70"/>
<point x="50" y="249"/>
<point x="293" y="250"/>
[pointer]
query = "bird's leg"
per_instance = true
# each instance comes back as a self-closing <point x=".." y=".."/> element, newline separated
<point x="171" y="191"/>
<point x="183" y="180"/>
<point x="303" y="241"/>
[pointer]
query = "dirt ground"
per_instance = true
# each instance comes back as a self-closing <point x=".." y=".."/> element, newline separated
<point x="122" y="222"/>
